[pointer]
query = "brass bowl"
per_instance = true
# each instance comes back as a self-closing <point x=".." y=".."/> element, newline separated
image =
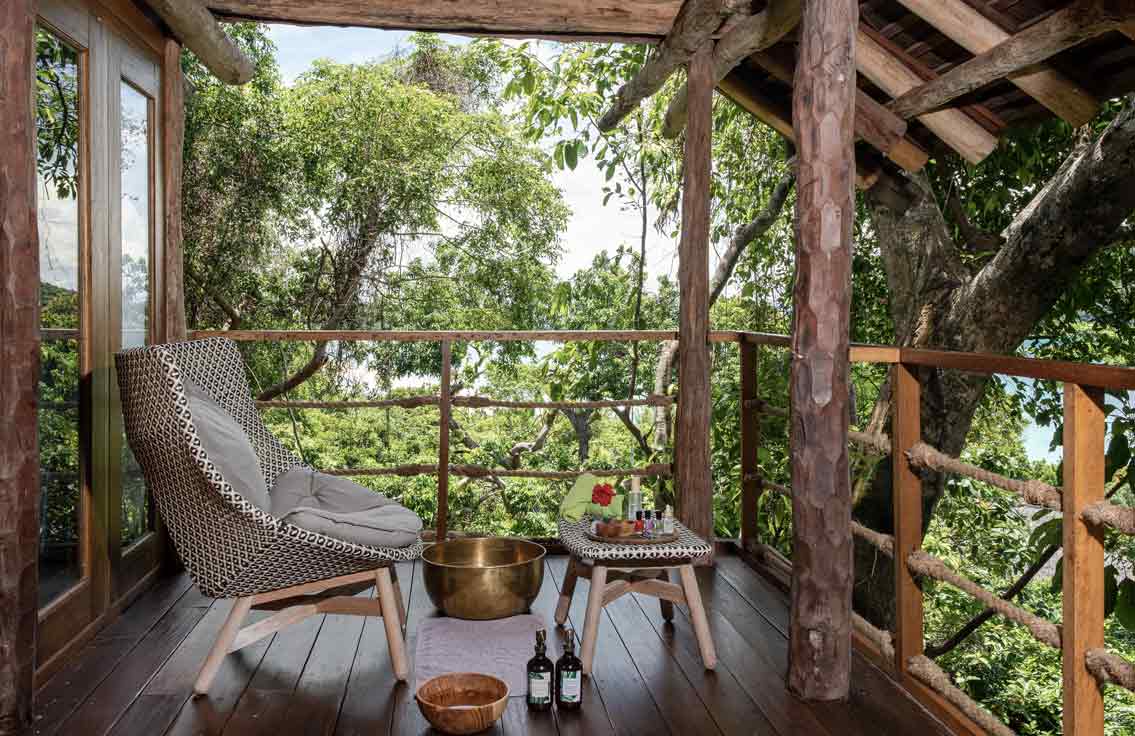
<point x="483" y="577"/>
<point x="462" y="702"/>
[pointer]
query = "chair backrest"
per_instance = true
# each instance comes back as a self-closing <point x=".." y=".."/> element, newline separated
<point x="215" y="531"/>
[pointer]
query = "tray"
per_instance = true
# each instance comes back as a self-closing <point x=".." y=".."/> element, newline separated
<point x="633" y="539"/>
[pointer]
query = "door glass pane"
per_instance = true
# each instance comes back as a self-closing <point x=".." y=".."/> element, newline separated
<point x="136" y="218"/>
<point x="57" y="167"/>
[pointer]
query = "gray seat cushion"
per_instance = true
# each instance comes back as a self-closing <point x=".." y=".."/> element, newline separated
<point x="342" y="509"/>
<point x="227" y="446"/>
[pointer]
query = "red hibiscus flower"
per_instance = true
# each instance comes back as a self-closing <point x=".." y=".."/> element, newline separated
<point x="602" y="493"/>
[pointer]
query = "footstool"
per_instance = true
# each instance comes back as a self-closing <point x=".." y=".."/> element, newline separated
<point x="617" y="569"/>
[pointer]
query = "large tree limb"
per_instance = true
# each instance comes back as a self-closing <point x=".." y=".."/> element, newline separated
<point x="199" y="31"/>
<point x="755" y="33"/>
<point x="694" y="25"/>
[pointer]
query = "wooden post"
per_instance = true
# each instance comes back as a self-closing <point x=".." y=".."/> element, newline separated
<point x="1084" y="430"/>
<point x="750" y="443"/>
<point x="173" y="141"/>
<point x="445" y="405"/>
<point x="823" y="106"/>
<point x="694" y="487"/>
<point x="906" y="431"/>
<point x="19" y="367"/>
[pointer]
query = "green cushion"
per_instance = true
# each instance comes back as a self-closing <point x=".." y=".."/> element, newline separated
<point x="577" y="502"/>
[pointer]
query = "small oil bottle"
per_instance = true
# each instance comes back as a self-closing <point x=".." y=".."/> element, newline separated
<point x="540" y="675"/>
<point x="569" y="676"/>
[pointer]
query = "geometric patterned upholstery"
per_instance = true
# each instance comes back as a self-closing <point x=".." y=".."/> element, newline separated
<point x="688" y="546"/>
<point x="230" y="547"/>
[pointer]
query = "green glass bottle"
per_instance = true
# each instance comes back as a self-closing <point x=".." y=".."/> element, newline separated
<point x="569" y="676"/>
<point x="540" y="675"/>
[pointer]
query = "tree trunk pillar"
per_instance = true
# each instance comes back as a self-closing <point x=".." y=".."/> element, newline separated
<point x="819" y="656"/>
<point x="19" y="367"/>
<point x="173" y="143"/>
<point x="691" y="451"/>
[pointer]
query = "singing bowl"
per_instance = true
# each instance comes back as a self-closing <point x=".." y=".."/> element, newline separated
<point x="462" y="702"/>
<point x="485" y="577"/>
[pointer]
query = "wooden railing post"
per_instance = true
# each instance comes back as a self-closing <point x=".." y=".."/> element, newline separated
<point x="445" y="404"/>
<point x="750" y="444"/>
<point x="1084" y="430"/>
<point x="906" y="431"/>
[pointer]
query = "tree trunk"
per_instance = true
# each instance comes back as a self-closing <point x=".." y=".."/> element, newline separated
<point x="581" y="423"/>
<point x="936" y="302"/>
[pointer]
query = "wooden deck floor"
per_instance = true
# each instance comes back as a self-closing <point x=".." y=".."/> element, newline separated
<point x="331" y="674"/>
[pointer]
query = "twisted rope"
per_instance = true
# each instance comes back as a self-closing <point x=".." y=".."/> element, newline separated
<point x="477" y="471"/>
<point x="1108" y="666"/>
<point x="936" y="679"/>
<point x="408" y="402"/>
<point x="484" y="401"/>
<point x="1106" y="513"/>
<point x="1046" y="632"/>
<point x="882" y="640"/>
<point x="1034" y="492"/>
<point x="879" y="444"/>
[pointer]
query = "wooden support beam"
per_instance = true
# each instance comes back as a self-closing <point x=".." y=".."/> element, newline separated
<point x="874" y="123"/>
<point x="1085" y="427"/>
<point x="445" y="404"/>
<point x="1063" y="29"/>
<point x="823" y="106"/>
<point x="778" y="116"/>
<point x="971" y="30"/>
<point x="173" y="141"/>
<point x="642" y="20"/>
<point x="695" y="24"/>
<point x="694" y="485"/>
<point x="906" y="432"/>
<point x="750" y="443"/>
<point x="757" y="32"/>
<point x="19" y="367"/>
<point x="956" y="129"/>
<point x="199" y="31"/>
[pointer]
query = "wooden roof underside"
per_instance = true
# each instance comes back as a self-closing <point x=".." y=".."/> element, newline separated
<point x="1074" y="80"/>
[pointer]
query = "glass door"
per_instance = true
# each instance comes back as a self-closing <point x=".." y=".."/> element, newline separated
<point x="134" y="240"/>
<point x="99" y="206"/>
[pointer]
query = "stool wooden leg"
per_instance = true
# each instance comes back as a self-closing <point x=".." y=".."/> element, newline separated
<point x="594" y="614"/>
<point x="697" y="616"/>
<point x="666" y="606"/>
<point x="566" y="592"/>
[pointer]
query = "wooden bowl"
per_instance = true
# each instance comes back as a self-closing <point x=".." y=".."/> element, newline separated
<point x="462" y="702"/>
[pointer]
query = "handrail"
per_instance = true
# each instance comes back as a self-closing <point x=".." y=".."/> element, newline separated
<point x="457" y="335"/>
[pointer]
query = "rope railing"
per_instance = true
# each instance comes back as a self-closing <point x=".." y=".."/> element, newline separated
<point x="1109" y="667"/>
<point x="883" y="640"/>
<point x="924" y="563"/>
<point x="1033" y="492"/>
<point x="1108" y="514"/>
<point x="936" y="679"/>
<point x="885" y="543"/>
<point x="656" y="470"/>
<point x="480" y="402"/>
<point x="879" y="444"/>
<point x="407" y="402"/>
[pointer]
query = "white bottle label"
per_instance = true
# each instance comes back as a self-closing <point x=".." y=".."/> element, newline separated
<point x="570" y="687"/>
<point x="540" y="687"/>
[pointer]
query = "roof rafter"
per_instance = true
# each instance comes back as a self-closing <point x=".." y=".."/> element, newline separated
<point x="977" y="34"/>
<point x="199" y="31"/>
<point x="1083" y="20"/>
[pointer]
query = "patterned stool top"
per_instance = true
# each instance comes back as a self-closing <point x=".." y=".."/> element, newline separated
<point x="573" y="534"/>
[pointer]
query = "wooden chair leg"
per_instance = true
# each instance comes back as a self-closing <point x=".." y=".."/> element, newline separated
<point x="666" y="606"/>
<point x="566" y="592"/>
<point x="390" y="619"/>
<point x="398" y="596"/>
<point x="697" y="616"/>
<point x="594" y="614"/>
<point x="221" y="646"/>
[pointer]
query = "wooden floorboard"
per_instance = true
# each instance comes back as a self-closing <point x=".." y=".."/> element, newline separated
<point x="332" y="674"/>
<point x="66" y="691"/>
